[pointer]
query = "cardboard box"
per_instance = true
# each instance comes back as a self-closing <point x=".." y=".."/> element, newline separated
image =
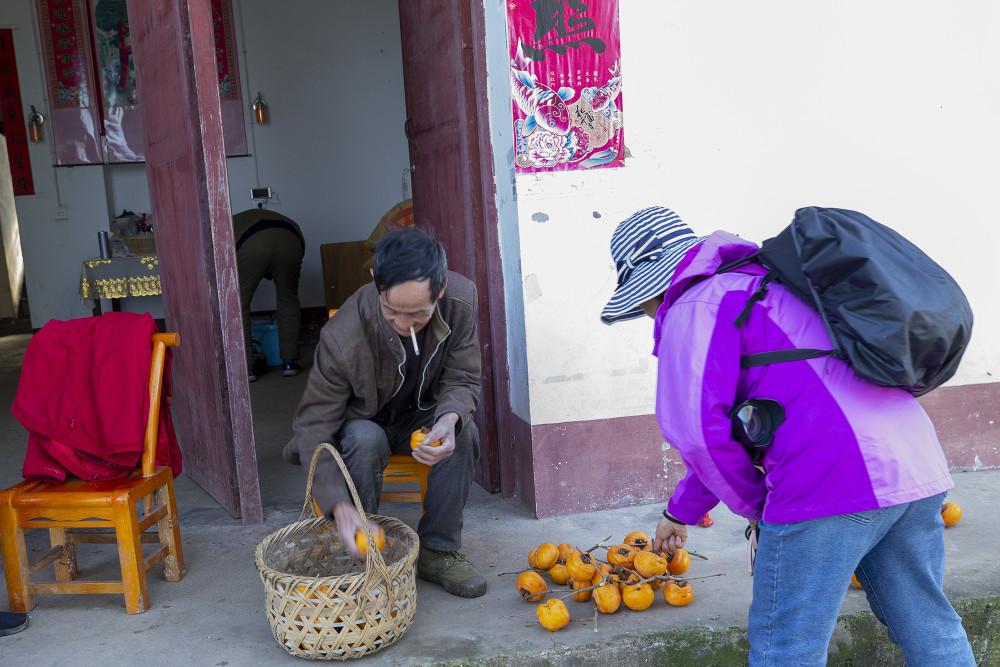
<point x="343" y="270"/>
<point x="141" y="244"/>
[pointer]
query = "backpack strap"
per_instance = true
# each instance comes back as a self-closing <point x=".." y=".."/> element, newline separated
<point x="754" y="298"/>
<point x="778" y="356"/>
<point x="749" y="259"/>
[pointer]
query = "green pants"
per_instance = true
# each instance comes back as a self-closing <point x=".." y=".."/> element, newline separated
<point x="275" y="254"/>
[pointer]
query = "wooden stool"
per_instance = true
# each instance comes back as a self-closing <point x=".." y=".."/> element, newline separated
<point x="403" y="468"/>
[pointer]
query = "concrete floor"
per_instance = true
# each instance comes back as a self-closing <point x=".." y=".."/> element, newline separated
<point x="215" y="615"/>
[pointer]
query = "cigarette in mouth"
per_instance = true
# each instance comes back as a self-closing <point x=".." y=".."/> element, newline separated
<point x="413" y="339"/>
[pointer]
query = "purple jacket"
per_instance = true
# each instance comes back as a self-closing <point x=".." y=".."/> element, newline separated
<point x="846" y="445"/>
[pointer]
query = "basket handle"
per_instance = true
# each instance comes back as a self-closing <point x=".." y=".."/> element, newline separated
<point x="374" y="558"/>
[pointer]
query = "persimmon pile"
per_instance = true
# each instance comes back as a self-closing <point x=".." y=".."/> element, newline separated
<point x="629" y="575"/>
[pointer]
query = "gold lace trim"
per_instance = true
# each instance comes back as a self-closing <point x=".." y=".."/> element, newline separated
<point x="120" y="288"/>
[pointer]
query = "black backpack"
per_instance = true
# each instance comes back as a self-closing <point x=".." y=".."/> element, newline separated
<point x="893" y="314"/>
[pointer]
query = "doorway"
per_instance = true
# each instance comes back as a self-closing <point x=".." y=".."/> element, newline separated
<point x="439" y="79"/>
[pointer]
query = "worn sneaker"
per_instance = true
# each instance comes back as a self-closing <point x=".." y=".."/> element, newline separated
<point x="290" y="368"/>
<point x="12" y="622"/>
<point x="251" y="373"/>
<point x="452" y="571"/>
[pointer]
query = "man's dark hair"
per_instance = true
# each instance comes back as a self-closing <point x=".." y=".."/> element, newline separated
<point x="410" y="254"/>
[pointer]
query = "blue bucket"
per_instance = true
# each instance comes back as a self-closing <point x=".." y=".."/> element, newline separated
<point x="266" y="333"/>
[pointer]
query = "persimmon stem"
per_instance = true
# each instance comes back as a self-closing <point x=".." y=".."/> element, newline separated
<point x="580" y="590"/>
<point x="668" y="577"/>
<point x="697" y="555"/>
<point x="599" y="545"/>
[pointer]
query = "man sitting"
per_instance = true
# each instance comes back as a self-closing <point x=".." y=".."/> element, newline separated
<point x="401" y="353"/>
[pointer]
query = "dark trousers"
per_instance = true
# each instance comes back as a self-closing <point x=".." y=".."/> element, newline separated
<point x="275" y="254"/>
<point x="365" y="447"/>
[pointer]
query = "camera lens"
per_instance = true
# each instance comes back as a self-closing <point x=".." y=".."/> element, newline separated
<point x="756" y="420"/>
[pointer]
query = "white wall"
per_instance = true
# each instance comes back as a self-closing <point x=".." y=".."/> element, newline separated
<point x="334" y="151"/>
<point x="739" y="113"/>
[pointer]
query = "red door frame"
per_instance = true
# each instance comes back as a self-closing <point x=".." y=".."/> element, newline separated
<point x="454" y="194"/>
<point x="174" y="49"/>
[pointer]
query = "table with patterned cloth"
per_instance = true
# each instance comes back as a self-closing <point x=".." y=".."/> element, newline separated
<point x="118" y="278"/>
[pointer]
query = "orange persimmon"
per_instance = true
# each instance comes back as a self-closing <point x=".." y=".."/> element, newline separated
<point x="639" y="541"/>
<point x="951" y="513"/>
<point x="638" y="597"/>
<point x="559" y="574"/>
<point x="531" y="586"/>
<point x="621" y="554"/>
<point x="581" y="595"/>
<point x="362" y="541"/>
<point x="417" y="438"/>
<point x="607" y="598"/>
<point x="678" y="593"/>
<point x="546" y="555"/>
<point x="678" y="562"/>
<point x="648" y="564"/>
<point x="553" y="615"/>
<point x="580" y="566"/>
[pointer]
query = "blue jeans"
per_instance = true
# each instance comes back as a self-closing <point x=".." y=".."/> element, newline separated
<point x="803" y="570"/>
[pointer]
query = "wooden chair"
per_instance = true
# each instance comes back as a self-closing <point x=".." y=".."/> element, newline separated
<point x="127" y="506"/>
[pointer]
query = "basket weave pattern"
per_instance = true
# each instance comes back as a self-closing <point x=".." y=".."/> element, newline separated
<point x="322" y="604"/>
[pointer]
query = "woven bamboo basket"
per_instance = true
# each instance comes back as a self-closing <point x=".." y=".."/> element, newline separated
<point x="323" y="605"/>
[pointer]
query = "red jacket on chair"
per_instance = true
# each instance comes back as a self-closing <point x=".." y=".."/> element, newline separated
<point x="84" y="398"/>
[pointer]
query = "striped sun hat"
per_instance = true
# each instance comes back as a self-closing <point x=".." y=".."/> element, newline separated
<point x="646" y="248"/>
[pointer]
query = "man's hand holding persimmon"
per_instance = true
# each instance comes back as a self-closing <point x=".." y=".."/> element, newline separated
<point x="443" y="431"/>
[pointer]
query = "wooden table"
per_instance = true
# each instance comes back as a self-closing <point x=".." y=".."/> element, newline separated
<point x="118" y="278"/>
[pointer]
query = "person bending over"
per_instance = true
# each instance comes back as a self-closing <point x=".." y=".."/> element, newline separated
<point x="851" y="481"/>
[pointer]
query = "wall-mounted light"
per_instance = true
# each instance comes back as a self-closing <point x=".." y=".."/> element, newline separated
<point x="35" y="123"/>
<point x="259" y="109"/>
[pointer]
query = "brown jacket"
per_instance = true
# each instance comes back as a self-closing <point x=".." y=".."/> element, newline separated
<point x="358" y="367"/>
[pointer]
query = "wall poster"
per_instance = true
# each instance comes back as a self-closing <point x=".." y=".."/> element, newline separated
<point x="73" y="113"/>
<point x="92" y="85"/>
<point x="565" y="75"/>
